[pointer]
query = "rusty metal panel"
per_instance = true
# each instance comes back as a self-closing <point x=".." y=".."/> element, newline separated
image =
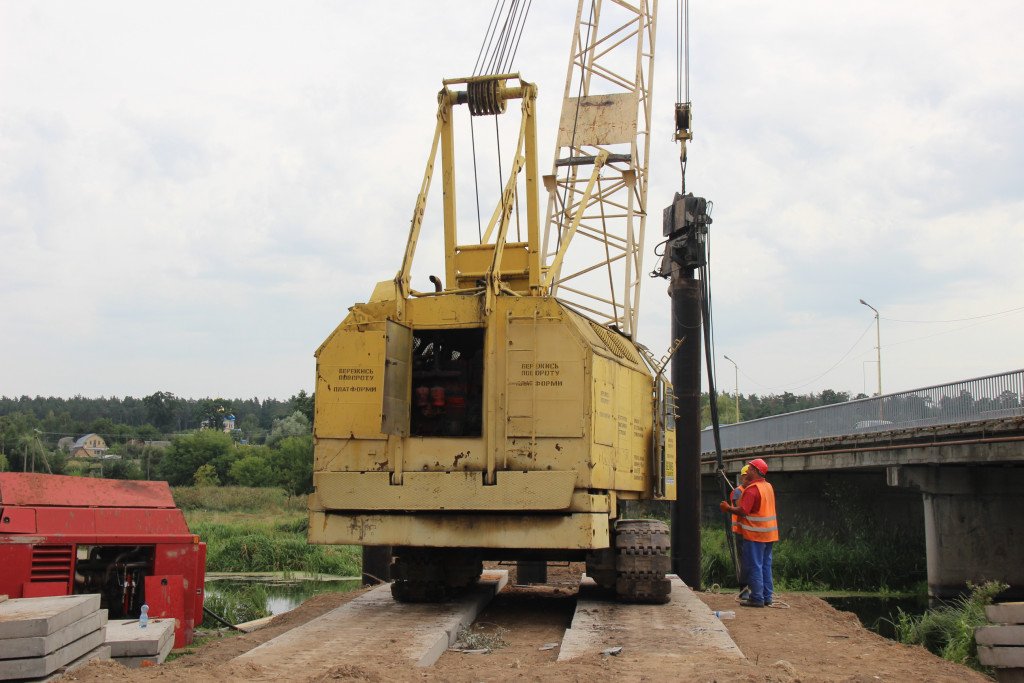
<point x="598" y="120"/>
<point x="18" y="488"/>
<point x="544" y="490"/>
<point x="350" y="384"/>
<point x="397" y="380"/>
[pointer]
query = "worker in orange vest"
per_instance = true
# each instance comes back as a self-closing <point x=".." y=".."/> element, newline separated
<point x="760" y="529"/>
<point x="734" y="498"/>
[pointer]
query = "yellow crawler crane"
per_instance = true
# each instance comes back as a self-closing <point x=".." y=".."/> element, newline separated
<point x="505" y="415"/>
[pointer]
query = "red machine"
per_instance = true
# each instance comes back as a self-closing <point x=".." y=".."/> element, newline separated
<point x="125" y="540"/>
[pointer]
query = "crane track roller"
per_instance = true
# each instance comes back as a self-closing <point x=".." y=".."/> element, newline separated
<point x="484" y="96"/>
<point x="642" y="559"/>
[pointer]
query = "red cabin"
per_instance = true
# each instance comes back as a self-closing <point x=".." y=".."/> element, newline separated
<point x="125" y="540"/>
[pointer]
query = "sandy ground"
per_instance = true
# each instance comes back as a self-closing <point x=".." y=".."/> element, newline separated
<point x="810" y="641"/>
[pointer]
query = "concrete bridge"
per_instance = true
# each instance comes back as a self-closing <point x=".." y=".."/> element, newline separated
<point x="946" y="461"/>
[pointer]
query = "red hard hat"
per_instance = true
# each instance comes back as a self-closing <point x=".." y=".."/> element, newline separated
<point x="759" y="465"/>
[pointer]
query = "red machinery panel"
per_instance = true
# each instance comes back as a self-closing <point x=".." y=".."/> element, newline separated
<point x="165" y="596"/>
<point x="63" y="535"/>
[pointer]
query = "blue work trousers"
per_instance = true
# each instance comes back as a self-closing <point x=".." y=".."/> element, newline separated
<point x="757" y="563"/>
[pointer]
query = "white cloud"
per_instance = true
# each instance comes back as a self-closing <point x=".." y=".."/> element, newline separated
<point x="191" y="195"/>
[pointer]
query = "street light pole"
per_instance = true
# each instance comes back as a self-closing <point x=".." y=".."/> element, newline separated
<point x="737" y="393"/>
<point x="878" y="338"/>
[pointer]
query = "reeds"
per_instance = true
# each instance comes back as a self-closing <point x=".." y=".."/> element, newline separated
<point x="948" y="630"/>
<point x="269" y="546"/>
<point x="877" y="560"/>
<point x="237" y="499"/>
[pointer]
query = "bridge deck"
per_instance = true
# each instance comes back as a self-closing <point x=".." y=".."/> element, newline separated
<point x="979" y="442"/>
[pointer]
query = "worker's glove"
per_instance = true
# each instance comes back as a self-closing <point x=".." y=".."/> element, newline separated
<point x="723" y="506"/>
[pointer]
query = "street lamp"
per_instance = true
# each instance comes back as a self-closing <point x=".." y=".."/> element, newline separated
<point x="737" y="393"/>
<point x="878" y="347"/>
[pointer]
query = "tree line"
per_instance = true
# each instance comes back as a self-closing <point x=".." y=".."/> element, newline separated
<point x="271" y="444"/>
<point x="753" y="406"/>
<point x="164" y="437"/>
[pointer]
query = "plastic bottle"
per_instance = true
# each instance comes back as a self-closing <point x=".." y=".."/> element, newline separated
<point x="144" y="617"/>
<point x="725" y="614"/>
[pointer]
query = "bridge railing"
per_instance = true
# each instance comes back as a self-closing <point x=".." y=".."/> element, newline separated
<point x="981" y="398"/>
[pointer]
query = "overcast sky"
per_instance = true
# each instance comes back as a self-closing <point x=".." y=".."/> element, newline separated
<point x="193" y="193"/>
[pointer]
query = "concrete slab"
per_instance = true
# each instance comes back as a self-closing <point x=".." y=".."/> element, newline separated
<point x="39" y="646"/>
<point x="682" y="626"/>
<point x="1009" y="657"/>
<point x="101" y="652"/>
<point x="1005" y="613"/>
<point x="1000" y="635"/>
<point x="29" y="617"/>
<point x="37" y="667"/>
<point x="126" y="639"/>
<point x="148" y="660"/>
<point x="375" y="627"/>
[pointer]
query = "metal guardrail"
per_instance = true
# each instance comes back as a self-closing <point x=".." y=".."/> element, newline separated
<point x="982" y="398"/>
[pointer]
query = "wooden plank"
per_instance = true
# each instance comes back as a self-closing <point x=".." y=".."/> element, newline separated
<point x="685" y="622"/>
<point x="1006" y="613"/>
<point x="373" y="627"/>
<point x="1000" y="635"/>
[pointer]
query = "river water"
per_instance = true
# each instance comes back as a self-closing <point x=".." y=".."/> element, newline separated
<point x="284" y="592"/>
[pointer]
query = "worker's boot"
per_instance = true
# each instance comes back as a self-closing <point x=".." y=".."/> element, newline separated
<point x="751" y="603"/>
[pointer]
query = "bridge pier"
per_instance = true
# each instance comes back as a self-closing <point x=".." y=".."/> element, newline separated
<point x="974" y="524"/>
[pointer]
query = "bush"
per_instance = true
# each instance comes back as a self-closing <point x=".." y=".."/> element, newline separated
<point x="189" y="452"/>
<point x="948" y="631"/>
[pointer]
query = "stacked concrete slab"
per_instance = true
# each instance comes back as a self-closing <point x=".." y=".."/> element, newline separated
<point x="135" y="646"/>
<point x="43" y="637"/>
<point x="1002" y="645"/>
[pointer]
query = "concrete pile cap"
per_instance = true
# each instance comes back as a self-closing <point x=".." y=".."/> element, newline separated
<point x="127" y="639"/>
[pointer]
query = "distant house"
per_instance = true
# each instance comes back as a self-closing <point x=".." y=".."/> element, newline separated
<point x="228" y="423"/>
<point x="158" y="444"/>
<point x="89" y="446"/>
<point x="65" y="443"/>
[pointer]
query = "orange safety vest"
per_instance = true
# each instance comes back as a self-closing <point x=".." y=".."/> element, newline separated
<point x="760" y="525"/>
<point x="736" y="494"/>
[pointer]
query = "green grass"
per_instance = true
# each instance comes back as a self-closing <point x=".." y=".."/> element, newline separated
<point x="948" y="631"/>
<point x="238" y="543"/>
<point x="237" y="499"/>
<point x="883" y="562"/>
<point x="259" y="530"/>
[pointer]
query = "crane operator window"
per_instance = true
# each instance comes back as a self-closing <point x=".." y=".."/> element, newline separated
<point x="447" y="383"/>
